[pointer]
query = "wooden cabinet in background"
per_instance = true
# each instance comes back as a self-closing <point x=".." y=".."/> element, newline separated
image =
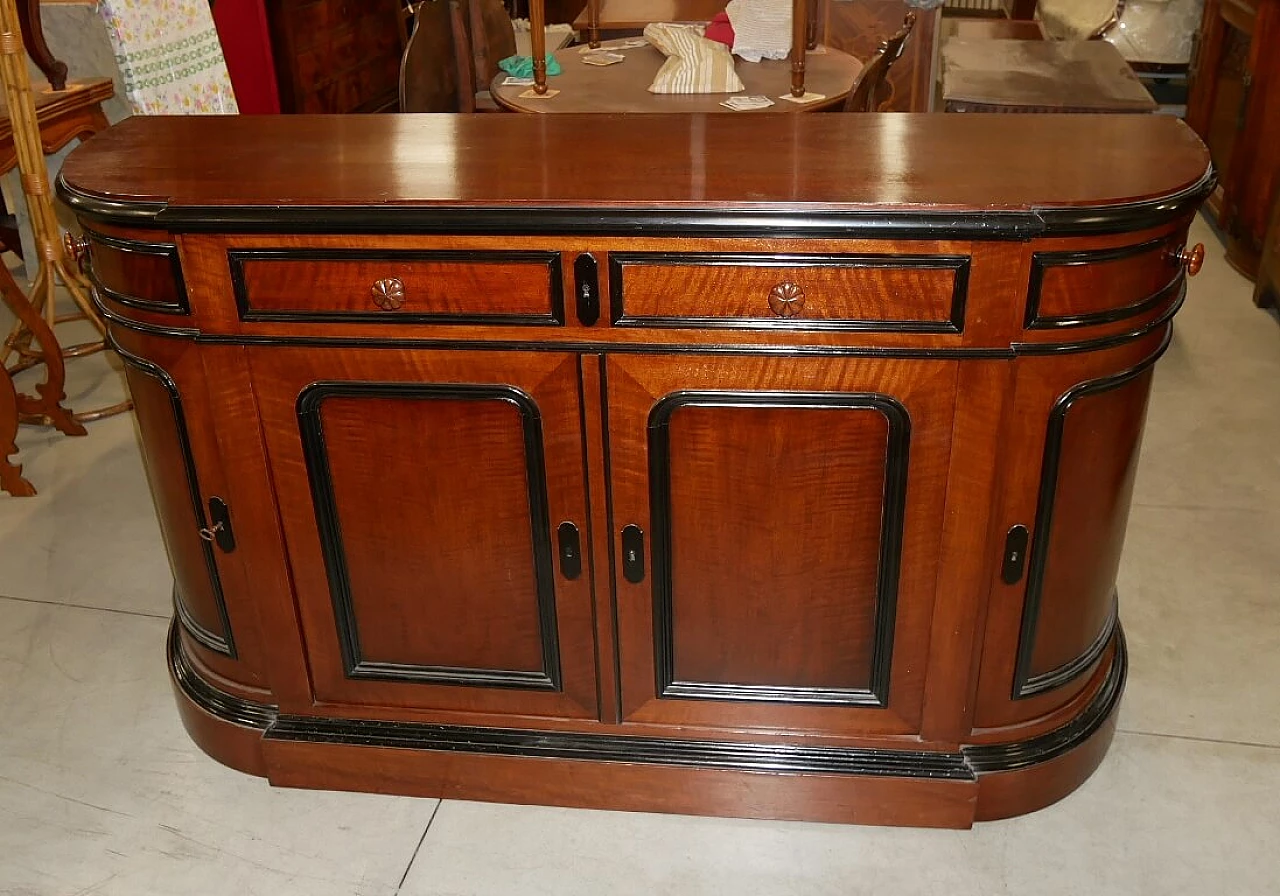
<point x="337" y="56"/>
<point x="1234" y="105"/>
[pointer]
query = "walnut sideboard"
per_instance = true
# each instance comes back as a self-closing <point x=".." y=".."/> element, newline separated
<point x="711" y="464"/>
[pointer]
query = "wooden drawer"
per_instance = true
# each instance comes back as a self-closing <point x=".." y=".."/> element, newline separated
<point x="1097" y="286"/>
<point x="924" y="293"/>
<point x="137" y="274"/>
<point x="407" y="285"/>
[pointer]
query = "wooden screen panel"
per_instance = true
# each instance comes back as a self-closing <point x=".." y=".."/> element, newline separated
<point x="774" y="543"/>
<point x="175" y="489"/>
<point x="1091" y="456"/>
<point x="439" y="557"/>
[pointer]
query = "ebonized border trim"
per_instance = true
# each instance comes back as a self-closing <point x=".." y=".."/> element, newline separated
<point x="220" y="704"/>
<point x="891" y="528"/>
<point x="970" y="763"/>
<point x="136" y="247"/>
<point x="1025" y="683"/>
<point x="311" y="431"/>
<point x="238" y="258"/>
<point x="798" y="351"/>
<point x="221" y="643"/>
<point x="988" y="758"/>
<point x="989" y="224"/>
<point x="729" y="755"/>
<point x="1042" y="261"/>
<point x="953" y="324"/>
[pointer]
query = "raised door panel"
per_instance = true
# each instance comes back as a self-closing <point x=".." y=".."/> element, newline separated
<point x="423" y="497"/>
<point x="1074" y="443"/>
<point x="777" y="525"/>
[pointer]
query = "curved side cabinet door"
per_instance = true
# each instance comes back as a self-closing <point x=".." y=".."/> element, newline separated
<point x="421" y="494"/>
<point x="1074" y="451"/>
<point x="180" y="504"/>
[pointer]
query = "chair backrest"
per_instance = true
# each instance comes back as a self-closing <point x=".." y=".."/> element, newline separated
<point x="866" y="94"/>
<point x="452" y="53"/>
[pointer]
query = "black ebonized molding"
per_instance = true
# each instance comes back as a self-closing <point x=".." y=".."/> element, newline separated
<point x="224" y="706"/>
<point x="1105" y="342"/>
<point x="136" y="247"/>
<point x="1043" y="261"/>
<point x="966" y="765"/>
<point x="315" y="453"/>
<point x="550" y="261"/>
<point x="892" y="520"/>
<point x="748" y="757"/>
<point x="1025" y="683"/>
<point x="994" y="758"/>
<point x="781" y="351"/>
<point x="953" y="323"/>
<point x="221" y="642"/>
<point x="986" y="224"/>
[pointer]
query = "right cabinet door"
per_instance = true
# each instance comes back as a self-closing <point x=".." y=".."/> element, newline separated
<point x="1072" y="451"/>
<point x="776" y="525"/>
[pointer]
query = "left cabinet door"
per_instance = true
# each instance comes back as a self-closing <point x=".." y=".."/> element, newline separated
<point x="434" y="508"/>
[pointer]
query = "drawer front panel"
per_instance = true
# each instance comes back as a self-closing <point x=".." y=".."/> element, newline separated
<point x="413" y="286"/>
<point x="137" y="274"/>
<point x="923" y="294"/>
<point x="1098" y="286"/>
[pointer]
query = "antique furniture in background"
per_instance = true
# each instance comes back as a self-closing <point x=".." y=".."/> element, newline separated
<point x="337" y="55"/>
<point x="624" y="88"/>
<point x="1234" y="105"/>
<point x="787" y="484"/>
<point x="871" y="90"/>
<point x="1039" y="76"/>
<point x="855" y="27"/>
<point x="1266" y="292"/>
<point x="452" y="55"/>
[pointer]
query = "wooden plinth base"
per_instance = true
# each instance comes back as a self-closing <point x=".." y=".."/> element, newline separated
<point x="865" y="786"/>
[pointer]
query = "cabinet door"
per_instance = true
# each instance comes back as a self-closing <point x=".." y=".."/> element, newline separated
<point x="777" y="522"/>
<point x="424" y="496"/>
<point x="1073" y="446"/>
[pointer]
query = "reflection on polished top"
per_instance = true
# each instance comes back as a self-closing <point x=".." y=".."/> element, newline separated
<point x="832" y="161"/>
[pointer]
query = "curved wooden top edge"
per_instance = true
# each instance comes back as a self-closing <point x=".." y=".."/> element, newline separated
<point x="986" y="176"/>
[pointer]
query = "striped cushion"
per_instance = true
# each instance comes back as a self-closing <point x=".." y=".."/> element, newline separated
<point x="694" y="64"/>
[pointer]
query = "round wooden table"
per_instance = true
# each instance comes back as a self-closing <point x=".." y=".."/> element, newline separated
<point x="624" y="87"/>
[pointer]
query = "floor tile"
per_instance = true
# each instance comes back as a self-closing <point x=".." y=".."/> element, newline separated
<point x="1198" y="597"/>
<point x="1149" y="822"/>
<point x="101" y="790"/>
<point x="1214" y="419"/>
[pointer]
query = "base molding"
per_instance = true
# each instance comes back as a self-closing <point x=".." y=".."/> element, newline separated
<point x="611" y="771"/>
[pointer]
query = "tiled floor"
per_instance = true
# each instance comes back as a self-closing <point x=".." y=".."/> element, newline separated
<point x="101" y="791"/>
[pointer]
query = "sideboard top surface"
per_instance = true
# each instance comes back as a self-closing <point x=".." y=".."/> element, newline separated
<point x="884" y="163"/>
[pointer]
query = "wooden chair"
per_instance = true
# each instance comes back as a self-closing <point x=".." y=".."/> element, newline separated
<point x="868" y="95"/>
<point x="453" y="54"/>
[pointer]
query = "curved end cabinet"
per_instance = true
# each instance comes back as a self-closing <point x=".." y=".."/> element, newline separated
<point x="787" y="484"/>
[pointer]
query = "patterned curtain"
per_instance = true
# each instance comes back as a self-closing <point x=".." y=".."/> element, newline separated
<point x="169" y="55"/>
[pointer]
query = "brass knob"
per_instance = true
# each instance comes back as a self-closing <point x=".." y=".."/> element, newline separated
<point x="786" y="299"/>
<point x="1192" y="259"/>
<point x="388" y="294"/>
<point x="76" y="247"/>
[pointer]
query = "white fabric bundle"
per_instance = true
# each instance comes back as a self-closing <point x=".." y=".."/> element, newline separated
<point x="694" y="64"/>
<point x="761" y="28"/>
